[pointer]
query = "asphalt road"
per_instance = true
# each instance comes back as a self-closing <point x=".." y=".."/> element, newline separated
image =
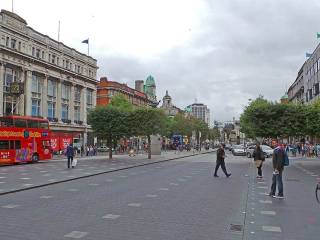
<point x="174" y="200"/>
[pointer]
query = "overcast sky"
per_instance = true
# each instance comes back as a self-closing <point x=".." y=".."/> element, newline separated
<point x="220" y="52"/>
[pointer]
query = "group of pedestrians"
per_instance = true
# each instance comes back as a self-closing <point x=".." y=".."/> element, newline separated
<point x="279" y="161"/>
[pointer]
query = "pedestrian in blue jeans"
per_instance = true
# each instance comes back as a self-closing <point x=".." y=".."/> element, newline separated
<point x="70" y="154"/>
<point x="278" y="159"/>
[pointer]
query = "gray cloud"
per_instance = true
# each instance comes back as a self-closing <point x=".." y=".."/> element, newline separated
<point x="244" y="48"/>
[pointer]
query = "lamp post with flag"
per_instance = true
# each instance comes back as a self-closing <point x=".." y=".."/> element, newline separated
<point x="87" y="42"/>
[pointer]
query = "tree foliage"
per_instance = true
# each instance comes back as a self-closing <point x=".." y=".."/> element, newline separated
<point x="271" y="120"/>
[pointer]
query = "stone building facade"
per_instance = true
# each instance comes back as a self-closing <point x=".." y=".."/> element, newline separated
<point x="168" y="106"/>
<point x="58" y="82"/>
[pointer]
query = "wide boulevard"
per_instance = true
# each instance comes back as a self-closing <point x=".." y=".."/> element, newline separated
<point x="170" y="200"/>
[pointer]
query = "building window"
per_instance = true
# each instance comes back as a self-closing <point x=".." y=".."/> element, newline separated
<point x="65" y="91"/>
<point x="316" y="89"/>
<point x="42" y="55"/>
<point x="64" y="111"/>
<point x="89" y="97"/>
<point x="35" y="107"/>
<point x="19" y="46"/>
<point x="10" y="76"/>
<point x="33" y="51"/>
<point x="36" y="84"/>
<point x="77" y="113"/>
<point x="13" y="43"/>
<point x="7" y="41"/>
<point x="63" y="63"/>
<point x="77" y="94"/>
<point x="51" y="109"/>
<point x="53" y="59"/>
<point x="52" y="88"/>
<point x="38" y="53"/>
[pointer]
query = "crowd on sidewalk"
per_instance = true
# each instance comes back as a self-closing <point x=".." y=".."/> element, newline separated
<point x="303" y="149"/>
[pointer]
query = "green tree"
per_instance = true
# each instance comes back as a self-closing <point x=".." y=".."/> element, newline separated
<point x="109" y="123"/>
<point x="121" y="103"/>
<point x="147" y="122"/>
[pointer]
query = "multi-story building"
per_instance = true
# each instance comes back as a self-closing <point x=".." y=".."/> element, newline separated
<point x="107" y="89"/>
<point x="296" y="90"/>
<point x="168" y="106"/>
<point x="200" y="111"/>
<point x="56" y="82"/>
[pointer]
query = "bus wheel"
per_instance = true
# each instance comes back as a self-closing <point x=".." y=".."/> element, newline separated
<point x="35" y="158"/>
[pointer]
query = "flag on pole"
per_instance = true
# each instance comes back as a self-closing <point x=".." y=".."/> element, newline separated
<point x="308" y="55"/>
<point x="86" y="41"/>
<point x="318" y="35"/>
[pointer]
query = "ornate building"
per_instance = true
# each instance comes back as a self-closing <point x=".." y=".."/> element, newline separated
<point x="168" y="106"/>
<point x="107" y="89"/>
<point x="57" y="82"/>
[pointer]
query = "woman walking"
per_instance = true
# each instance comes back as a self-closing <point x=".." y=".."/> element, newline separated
<point x="258" y="157"/>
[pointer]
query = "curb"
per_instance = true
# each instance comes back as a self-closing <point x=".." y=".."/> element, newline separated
<point x="100" y="173"/>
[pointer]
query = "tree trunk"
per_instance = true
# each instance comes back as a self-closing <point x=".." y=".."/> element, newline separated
<point x="110" y="147"/>
<point x="149" y="147"/>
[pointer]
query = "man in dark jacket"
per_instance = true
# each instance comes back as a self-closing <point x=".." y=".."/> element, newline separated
<point x="278" y="165"/>
<point x="70" y="154"/>
<point x="220" y="161"/>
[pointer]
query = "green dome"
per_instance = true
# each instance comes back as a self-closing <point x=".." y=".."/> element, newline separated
<point x="285" y="97"/>
<point x="150" y="81"/>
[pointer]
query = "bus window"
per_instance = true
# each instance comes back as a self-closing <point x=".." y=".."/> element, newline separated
<point x="6" y="122"/>
<point x="4" y="145"/>
<point x="11" y="144"/>
<point x="20" y="123"/>
<point x="43" y="124"/>
<point x="33" y="123"/>
<point x="17" y="144"/>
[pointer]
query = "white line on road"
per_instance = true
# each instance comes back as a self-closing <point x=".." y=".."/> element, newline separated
<point x="27" y="185"/>
<point x="73" y="190"/>
<point x="46" y="197"/>
<point x="151" y="195"/>
<point x="111" y="216"/>
<point x="163" y="189"/>
<point x="2" y="182"/>
<point x="263" y="187"/>
<point x="76" y="234"/>
<point x="174" y="184"/>
<point x="265" y="201"/>
<point x="25" y="178"/>
<point x="271" y="229"/>
<point x="134" y="205"/>
<point x="93" y="184"/>
<point x="109" y="180"/>
<point x="2" y="177"/>
<point x="10" y="206"/>
<point x="271" y="213"/>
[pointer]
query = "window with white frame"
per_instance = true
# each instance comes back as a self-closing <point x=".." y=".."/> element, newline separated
<point x="89" y="97"/>
<point x="36" y="84"/>
<point x="77" y="94"/>
<point x="65" y="91"/>
<point x="35" y="107"/>
<point x="51" y="109"/>
<point x="52" y="88"/>
<point x="64" y="111"/>
<point x="10" y="76"/>
<point x="77" y="113"/>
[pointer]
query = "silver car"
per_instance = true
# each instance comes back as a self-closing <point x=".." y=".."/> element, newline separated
<point x="268" y="151"/>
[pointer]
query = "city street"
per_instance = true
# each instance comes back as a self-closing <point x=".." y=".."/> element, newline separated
<point x="177" y="199"/>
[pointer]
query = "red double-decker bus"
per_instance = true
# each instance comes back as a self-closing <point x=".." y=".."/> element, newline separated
<point x="24" y="139"/>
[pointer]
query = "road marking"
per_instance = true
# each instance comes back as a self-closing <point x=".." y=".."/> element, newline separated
<point x="52" y="180"/>
<point x="70" y="176"/>
<point x="111" y="216"/>
<point x="43" y="171"/>
<point x="2" y="177"/>
<point x="27" y="185"/>
<point x="271" y="213"/>
<point x="25" y="178"/>
<point x="76" y="234"/>
<point x="109" y="180"/>
<point x="271" y="229"/>
<point x="262" y="182"/>
<point x="174" y="184"/>
<point x="3" y="173"/>
<point x="87" y="173"/>
<point x="252" y="222"/>
<point x="315" y="175"/>
<point x="263" y="187"/>
<point x="92" y="167"/>
<point x="163" y="189"/>
<point x="265" y="201"/>
<point x="151" y="195"/>
<point x="123" y="176"/>
<point x="2" y="182"/>
<point x="10" y="206"/>
<point x="93" y="184"/>
<point x="112" y="168"/>
<point x="73" y="190"/>
<point x="264" y="193"/>
<point x="182" y="179"/>
<point x="188" y="176"/>
<point x="134" y="205"/>
<point x="46" y="175"/>
<point x="46" y="197"/>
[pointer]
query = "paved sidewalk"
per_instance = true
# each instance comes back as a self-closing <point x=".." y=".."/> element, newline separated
<point x="27" y="176"/>
<point x="295" y="217"/>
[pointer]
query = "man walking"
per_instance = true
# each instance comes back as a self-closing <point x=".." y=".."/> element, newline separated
<point x="278" y="158"/>
<point x="70" y="154"/>
<point x="220" y="161"/>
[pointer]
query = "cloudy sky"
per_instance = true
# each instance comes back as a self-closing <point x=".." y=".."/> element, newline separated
<point x="218" y="52"/>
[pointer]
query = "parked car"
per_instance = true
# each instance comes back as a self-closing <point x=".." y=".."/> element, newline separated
<point x="268" y="151"/>
<point x="238" y="150"/>
<point x="102" y="149"/>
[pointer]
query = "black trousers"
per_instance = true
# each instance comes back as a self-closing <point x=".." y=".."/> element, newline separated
<point x="223" y="167"/>
<point x="260" y="170"/>
<point x="70" y="160"/>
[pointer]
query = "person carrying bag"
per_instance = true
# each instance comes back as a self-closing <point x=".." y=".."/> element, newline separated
<point x="258" y="157"/>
